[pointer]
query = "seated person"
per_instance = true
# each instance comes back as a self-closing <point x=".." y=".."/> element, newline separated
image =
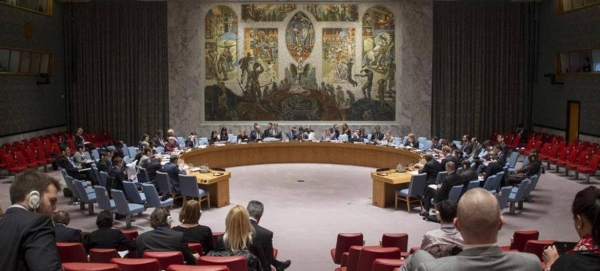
<point x="346" y="130"/>
<point x="146" y="158"/>
<point x="377" y="135"/>
<point x="336" y="131"/>
<point x="442" y="190"/>
<point x="191" y="141"/>
<point x="411" y="141"/>
<point x="435" y="143"/>
<point x="162" y="238"/>
<point x="293" y="134"/>
<point x="105" y="162"/>
<point x="302" y="134"/>
<point x="243" y="137"/>
<point x="328" y="136"/>
<point x="172" y="168"/>
<point x="144" y="142"/>
<point x="357" y="136"/>
<point x="490" y="168"/>
<point x="214" y="138"/>
<point x="468" y="174"/>
<point x="387" y="140"/>
<point x="269" y="131"/>
<point x="62" y="232"/>
<point x="117" y="173"/>
<point x="533" y="167"/>
<point x="256" y="134"/>
<point x="73" y="170"/>
<point x="79" y="156"/>
<point x="466" y="146"/>
<point x="107" y="237"/>
<point x="171" y="145"/>
<point x="224" y="135"/>
<point x="432" y="167"/>
<point x="154" y="166"/>
<point x="192" y="231"/>
<point x="446" y="240"/>
<point x="276" y="131"/>
<point x="586" y="253"/>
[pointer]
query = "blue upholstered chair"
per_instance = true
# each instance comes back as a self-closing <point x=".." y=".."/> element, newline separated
<point x="132" y="152"/>
<point x="189" y="188"/>
<point x="96" y="155"/>
<point x="519" y="195"/>
<point x="125" y="208"/>
<point x="415" y="188"/>
<point x="89" y="198"/>
<point x="440" y="177"/>
<point x="132" y="194"/>
<point x="512" y="161"/>
<point x="473" y="184"/>
<point x="455" y="193"/>
<point x="491" y="184"/>
<point x="159" y="150"/>
<point x="503" y="197"/>
<point x="232" y="138"/>
<point x="343" y="138"/>
<point x="104" y="202"/>
<point x="142" y="175"/>
<point x="153" y="198"/>
<point x="164" y="185"/>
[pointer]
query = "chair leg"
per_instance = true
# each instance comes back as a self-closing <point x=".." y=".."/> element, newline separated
<point x="396" y="202"/>
<point x="408" y="205"/>
<point x="520" y="205"/>
<point x="587" y="178"/>
<point x="208" y="200"/>
<point x="512" y="208"/>
<point x="128" y="222"/>
<point x="576" y="175"/>
<point x="81" y="205"/>
<point x="91" y="208"/>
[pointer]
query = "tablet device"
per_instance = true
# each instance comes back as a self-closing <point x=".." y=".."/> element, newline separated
<point x="564" y="247"/>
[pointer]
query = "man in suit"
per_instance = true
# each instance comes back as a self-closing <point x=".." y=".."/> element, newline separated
<point x="73" y="170"/>
<point x="118" y="174"/>
<point x="276" y="132"/>
<point x="162" y="238"/>
<point x="466" y="146"/>
<point x="264" y="237"/>
<point x="159" y="139"/>
<point x="328" y="136"/>
<point x="435" y="143"/>
<point x="357" y="136"/>
<point x="62" y="232"/>
<point x="154" y="166"/>
<point x="191" y="141"/>
<point x="377" y="134"/>
<point x="533" y="167"/>
<point x="478" y="220"/>
<point x="107" y="237"/>
<point x="432" y="167"/>
<point x="493" y="167"/>
<point x="336" y="131"/>
<point x="26" y="231"/>
<point x="442" y="191"/>
<point x="256" y="134"/>
<point x="293" y="134"/>
<point x="173" y="170"/>
<point x="448" y="157"/>
<point x="269" y="131"/>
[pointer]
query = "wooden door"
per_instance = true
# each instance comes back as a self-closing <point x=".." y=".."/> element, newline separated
<point x="572" y="120"/>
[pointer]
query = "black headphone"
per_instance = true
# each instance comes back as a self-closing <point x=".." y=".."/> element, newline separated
<point x="34" y="200"/>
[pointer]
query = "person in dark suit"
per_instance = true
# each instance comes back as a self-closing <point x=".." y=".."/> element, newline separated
<point x="442" y="191"/>
<point x="292" y="134"/>
<point x="162" y="238"/>
<point x="435" y="143"/>
<point x="357" y="136"/>
<point x="65" y="162"/>
<point x="107" y="237"/>
<point x="466" y="146"/>
<point x="377" y="134"/>
<point x="103" y="164"/>
<point x="224" y="135"/>
<point x="467" y="173"/>
<point x="173" y="170"/>
<point x="192" y="141"/>
<point x="478" y="221"/>
<point x="412" y="141"/>
<point x="276" y="132"/>
<point x="26" y="231"/>
<point x="493" y="167"/>
<point x="336" y="131"/>
<point x="432" y="167"/>
<point x="264" y="237"/>
<point x="62" y="232"/>
<point x="448" y="157"/>
<point x="533" y="167"/>
<point x="159" y="139"/>
<point x="256" y="134"/>
<point x="118" y="174"/>
<point x="154" y="166"/>
<point x="193" y="232"/>
<point x="269" y="131"/>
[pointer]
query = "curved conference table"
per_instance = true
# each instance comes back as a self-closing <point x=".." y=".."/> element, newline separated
<point x="303" y="152"/>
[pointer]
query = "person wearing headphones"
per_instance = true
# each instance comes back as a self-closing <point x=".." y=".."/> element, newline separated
<point x="162" y="238"/>
<point x="26" y="231"/>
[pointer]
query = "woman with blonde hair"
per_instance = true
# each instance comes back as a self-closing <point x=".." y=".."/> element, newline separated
<point x="193" y="232"/>
<point x="237" y="240"/>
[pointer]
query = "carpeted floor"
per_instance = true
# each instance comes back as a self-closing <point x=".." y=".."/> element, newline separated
<point x="306" y="205"/>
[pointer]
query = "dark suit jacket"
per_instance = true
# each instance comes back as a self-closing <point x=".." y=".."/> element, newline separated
<point x="254" y="135"/>
<point x="63" y="162"/>
<point x="414" y="144"/>
<point x="492" y="169"/>
<point x="173" y="171"/>
<point x="66" y="234"/>
<point x="253" y="247"/>
<point x="103" y="166"/>
<point x="28" y="242"/>
<point x="450" y="158"/>
<point x="164" y="240"/>
<point x="108" y="238"/>
<point x="118" y="176"/>
<point x="451" y="180"/>
<point x="432" y="168"/>
<point x="377" y="136"/>
<point x="468" y="175"/>
<point x="264" y="238"/>
<point x="152" y="168"/>
<point x="198" y="234"/>
<point x="157" y="142"/>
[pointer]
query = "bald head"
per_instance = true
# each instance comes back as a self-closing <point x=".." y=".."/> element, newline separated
<point x="478" y="217"/>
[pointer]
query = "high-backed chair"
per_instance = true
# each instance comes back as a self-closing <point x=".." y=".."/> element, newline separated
<point x="165" y="258"/>
<point x="386" y="264"/>
<point x="71" y="252"/>
<point x="537" y="247"/>
<point x="104" y="201"/>
<point x="84" y="197"/>
<point x="164" y="184"/>
<point x="90" y="267"/>
<point x="189" y="188"/>
<point x="503" y="197"/>
<point x="181" y="267"/>
<point x="454" y="194"/>
<point x="130" y="234"/>
<point x="96" y="155"/>
<point x="103" y="181"/>
<point x="518" y="196"/>
<point x="12" y="165"/>
<point x="215" y="236"/>
<point x="473" y="184"/>
<point x="440" y="177"/>
<point x="132" y="152"/>
<point x="103" y="255"/>
<point x="125" y="208"/>
<point x="32" y="158"/>
<point x="196" y="248"/>
<point x="491" y="184"/>
<point x="399" y="240"/>
<point x="153" y="200"/>
<point x="368" y="255"/>
<point x="520" y="238"/>
<point x="137" y="264"/>
<point x="234" y="263"/>
<point x="159" y="150"/>
<point x="415" y="188"/>
<point x="343" y="244"/>
<point x="133" y="195"/>
<point x="142" y="175"/>
<point x="590" y="169"/>
<point x="343" y="138"/>
<point x="351" y="261"/>
<point x="24" y="162"/>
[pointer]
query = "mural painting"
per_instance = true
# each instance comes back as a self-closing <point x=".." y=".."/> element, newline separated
<point x="266" y="13"/>
<point x="334" y="13"/>
<point x="249" y="87"/>
<point x="221" y="43"/>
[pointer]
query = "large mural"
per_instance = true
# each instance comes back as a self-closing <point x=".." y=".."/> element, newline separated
<point x="277" y="71"/>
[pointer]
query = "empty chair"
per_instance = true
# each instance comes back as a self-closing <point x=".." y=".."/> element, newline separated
<point x="132" y="152"/>
<point x="537" y="247"/>
<point x="491" y="184"/>
<point x="590" y="169"/>
<point x="503" y="197"/>
<point x="164" y="184"/>
<point x="71" y="252"/>
<point x="415" y="188"/>
<point x="153" y="200"/>
<point x="96" y="155"/>
<point x="455" y="191"/>
<point x="518" y="196"/>
<point x="32" y="158"/>
<point x="181" y="267"/>
<point x="104" y="201"/>
<point x="103" y="181"/>
<point x="527" y="195"/>
<point x="512" y="161"/>
<point x="84" y="197"/>
<point x="351" y="260"/>
<point x="90" y="267"/>
<point x="159" y="150"/>
<point x="130" y="234"/>
<point x="234" y="263"/>
<point x="103" y="255"/>
<point x="133" y="195"/>
<point x="165" y="258"/>
<point x="232" y="138"/>
<point x="520" y="238"/>
<point x="137" y="264"/>
<point x="386" y="264"/>
<point x="142" y="175"/>
<point x="189" y="188"/>
<point x="368" y="255"/>
<point x="12" y="165"/>
<point x="472" y="184"/>
<point x="23" y="162"/>
<point x="399" y="240"/>
<point x="125" y="208"/>
<point x="343" y="244"/>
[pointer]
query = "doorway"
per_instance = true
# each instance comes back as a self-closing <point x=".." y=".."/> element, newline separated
<point x="572" y="120"/>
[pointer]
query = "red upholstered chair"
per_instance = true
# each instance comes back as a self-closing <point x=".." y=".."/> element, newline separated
<point x="570" y="159"/>
<point x="551" y="155"/>
<point x="130" y="234"/>
<point x="528" y="147"/>
<point x="165" y="258"/>
<point x="343" y="244"/>
<point x="215" y="236"/>
<point x="182" y="267"/>
<point x="399" y="240"/>
<point x="386" y="264"/>
<point x="90" y="267"/>
<point x="562" y="155"/>
<point x="413" y="250"/>
<point x="591" y="168"/>
<point x="196" y="248"/>
<point x="537" y="247"/>
<point x="351" y="261"/>
<point x="520" y="238"/>
<point x="103" y="255"/>
<point x="582" y="158"/>
<point x="32" y="158"/>
<point x="234" y="263"/>
<point x="12" y="166"/>
<point x="71" y="252"/>
<point x="23" y="162"/>
<point x="137" y="264"/>
<point x="537" y="145"/>
<point x="369" y="254"/>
